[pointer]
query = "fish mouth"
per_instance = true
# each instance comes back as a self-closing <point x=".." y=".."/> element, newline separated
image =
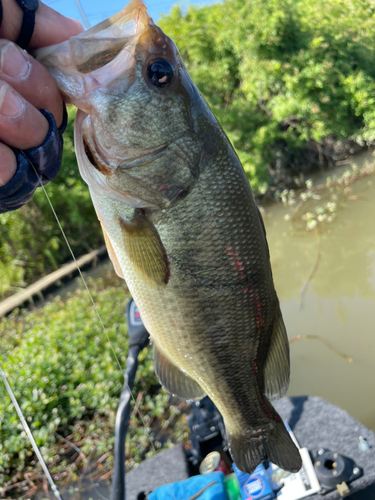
<point x="106" y="58"/>
<point x="96" y="58"/>
<point x="101" y="44"/>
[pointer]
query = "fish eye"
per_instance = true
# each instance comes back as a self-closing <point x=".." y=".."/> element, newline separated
<point x="160" y="73"/>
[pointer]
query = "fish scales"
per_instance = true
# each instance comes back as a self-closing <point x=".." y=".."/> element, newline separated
<point x="181" y="226"/>
<point x="215" y="287"/>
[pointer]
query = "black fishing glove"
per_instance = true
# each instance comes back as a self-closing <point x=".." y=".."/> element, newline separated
<point x="46" y="160"/>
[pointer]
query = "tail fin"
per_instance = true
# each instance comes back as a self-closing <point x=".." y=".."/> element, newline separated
<point x="274" y="445"/>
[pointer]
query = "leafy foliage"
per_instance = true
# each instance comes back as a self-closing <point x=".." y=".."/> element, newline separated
<point x="282" y="76"/>
<point x="66" y="380"/>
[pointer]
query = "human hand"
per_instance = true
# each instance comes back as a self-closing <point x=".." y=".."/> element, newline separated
<point x="25" y="85"/>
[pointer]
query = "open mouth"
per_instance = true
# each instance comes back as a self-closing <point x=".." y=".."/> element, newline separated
<point x="96" y="58"/>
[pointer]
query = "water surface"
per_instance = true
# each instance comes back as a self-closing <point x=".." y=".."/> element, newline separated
<point x="338" y="303"/>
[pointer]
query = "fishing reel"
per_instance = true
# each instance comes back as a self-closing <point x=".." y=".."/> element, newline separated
<point x="207" y="432"/>
<point x="138" y="335"/>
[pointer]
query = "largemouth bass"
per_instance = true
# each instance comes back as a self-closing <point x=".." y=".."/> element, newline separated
<point x="181" y="226"/>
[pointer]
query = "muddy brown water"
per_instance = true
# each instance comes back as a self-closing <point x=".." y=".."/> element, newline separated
<point x="338" y="303"/>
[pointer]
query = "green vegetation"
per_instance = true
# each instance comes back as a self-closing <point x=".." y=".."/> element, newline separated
<point x="287" y="79"/>
<point x="291" y="81"/>
<point x="66" y="380"/>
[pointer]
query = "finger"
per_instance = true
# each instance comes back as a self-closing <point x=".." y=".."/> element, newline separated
<point x="21" y="125"/>
<point x="8" y="164"/>
<point x="50" y="26"/>
<point x="30" y="79"/>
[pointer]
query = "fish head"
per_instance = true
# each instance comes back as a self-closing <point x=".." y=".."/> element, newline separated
<point x="141" y="128"/>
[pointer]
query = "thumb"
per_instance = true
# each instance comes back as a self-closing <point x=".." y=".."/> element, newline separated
<point x="50" y="26"/>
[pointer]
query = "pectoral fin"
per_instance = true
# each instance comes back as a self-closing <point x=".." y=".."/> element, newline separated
<point x="174" y="380"/>
<point x="145" y="248"/>
<point x="277" y="367"/>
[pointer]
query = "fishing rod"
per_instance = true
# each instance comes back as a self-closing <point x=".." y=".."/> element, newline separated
<point x="138" y="340"/>
<point x="207" y="431"/>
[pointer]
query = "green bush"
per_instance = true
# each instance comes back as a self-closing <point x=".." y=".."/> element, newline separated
<point x="283" y="77"/>
<point x="66" y="380"/>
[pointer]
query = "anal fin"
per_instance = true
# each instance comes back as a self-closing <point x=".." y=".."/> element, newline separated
<point x="145" y="248"/>
<point x="277" y="366"/>
<point x="174" y="380"/>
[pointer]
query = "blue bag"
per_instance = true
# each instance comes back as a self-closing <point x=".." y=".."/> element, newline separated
<point x="184" y="490"/>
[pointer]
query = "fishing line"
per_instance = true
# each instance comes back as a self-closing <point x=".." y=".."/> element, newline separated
<point x="83" y="14"/>
<point x="80" y="272"/>
<point x="102" y="325"/>
<point x="29" y="434"/>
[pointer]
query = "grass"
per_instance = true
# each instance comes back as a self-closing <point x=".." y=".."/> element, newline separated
<point x="67" y="382"/>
